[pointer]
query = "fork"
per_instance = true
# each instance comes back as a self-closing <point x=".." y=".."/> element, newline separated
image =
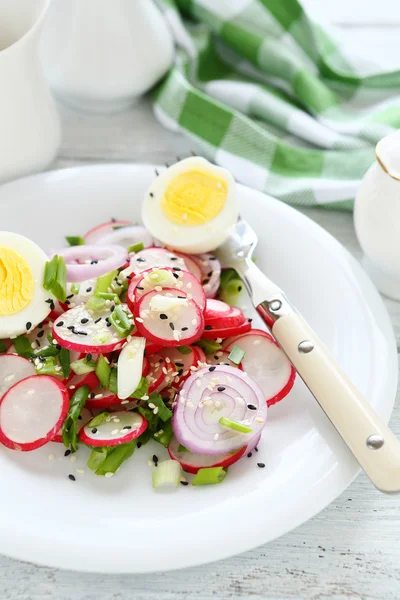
<point x="372" y="443"/>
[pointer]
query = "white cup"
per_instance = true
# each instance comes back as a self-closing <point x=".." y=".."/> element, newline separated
<point x="30" y="129"/>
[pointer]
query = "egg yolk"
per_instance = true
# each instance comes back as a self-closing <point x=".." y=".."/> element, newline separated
<point x="194" y="198"/>
<point x="17" y="284"/>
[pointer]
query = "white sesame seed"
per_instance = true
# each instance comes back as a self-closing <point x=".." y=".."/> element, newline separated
<point x="155" y="411"/>
<point x="217" y="404"/>
<point x="229" y="379"/>
<point x="125" y="402"/>
<point x="51" y="457"/>
<point x="216" y="436"/>
<point x="71" y="387"/>
<point x="30" y="392"/>
<point x="182" y="400"/>
<point x="190" y="404"/>
<point x="109" y="474"/>
<point x="189" y="285"/>
<point x="218" y="340"/>
<point x="151" y="405"/>
<point x="218" y="354"/>
<point x="114" y="431"/>
<point x="97" y="396"/>
<point x="55" y="342"/>
<point x="11" y="377"/>
<point x="73" y="458"/>
<point x="144" y="398"/>
<point x="80" y="471"/>
<point x="259" y="420"/>
<point x="198" y="383"/>
<point x="208" y="402"/>
<point x="33" y="345"/>
<point x="164" y="370"/>
<point x="256" y="342"/>
<point x="194" y="321"/>
<point x="150" y="463"/>
<point x="40" y="366"/>
<point x="158" y="288"/>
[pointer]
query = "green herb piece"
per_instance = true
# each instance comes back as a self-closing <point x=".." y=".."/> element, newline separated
<point x="236" y="355"/>
<point x="50" y="273"/>
<point x="59" y="288"/>
<point x="234" y="425"/>
<point x="48" y="367"/>
<point x="209" y="346"/>
<point x="22" y="346"/>
<point x="152" y="420"/>
<point x="116" y="457"/>
<point x="109" y="296"/>
<point x="69" y="428"/>
<point x="168" y="472"/>
<point x="136" y="247"/>
<point x="231" y="287"/>
<point x="209" y="476"/>
<point x="97" y="457"/>
<point x="83" y="366"/>
<point x="75" y="240"/>
<point x="121" y="322"/>
<point x="161" y="277"/>
<point x="145" y="437"/>
<point x="113" y="382"/>
<point x="141" y="390"/>
<point x="98" y="419"/>
<point x="65" y="362"/>
<point x="75" y="287"/>
<point x="3" y="347"/>
<point x="47" y="351"/>
<point x="163" y="411"/>
<point x="184" y="349"/>
<point x="166" y="434"/>
<point x="104" y="282"/>
<point x="103" y="371"/>
<point x="182" y="448"/>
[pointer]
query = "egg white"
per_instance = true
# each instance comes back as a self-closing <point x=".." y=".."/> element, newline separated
<point x="194" y="239"/>
<point x="37" y="309"/>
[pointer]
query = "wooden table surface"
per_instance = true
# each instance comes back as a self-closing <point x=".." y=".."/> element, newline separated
<point x="349" y="551"/>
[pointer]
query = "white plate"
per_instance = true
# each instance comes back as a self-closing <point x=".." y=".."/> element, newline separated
<point x="121" y="524"/>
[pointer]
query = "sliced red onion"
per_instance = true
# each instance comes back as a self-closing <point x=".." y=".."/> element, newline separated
<point x="127" y="236"/>
<point x="155" y="258"/>
<point x="103" y="229"/>
<point x="212" y="393"/>
<point x="108" y="257"/>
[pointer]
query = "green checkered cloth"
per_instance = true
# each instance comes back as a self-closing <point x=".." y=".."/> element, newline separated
<point x="265" y="91"/>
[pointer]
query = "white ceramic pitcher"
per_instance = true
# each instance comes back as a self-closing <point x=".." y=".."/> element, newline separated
<point x="29" y="124"/>
<point x="377" y="217"/>
<point x="99" y="55"/>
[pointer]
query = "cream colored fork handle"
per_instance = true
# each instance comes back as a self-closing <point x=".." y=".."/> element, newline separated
<point x="374" y="446"/>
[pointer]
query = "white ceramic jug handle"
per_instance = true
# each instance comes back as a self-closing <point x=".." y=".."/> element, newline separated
<point x="374" y="446"/>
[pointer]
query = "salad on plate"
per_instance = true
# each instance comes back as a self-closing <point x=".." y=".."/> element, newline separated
<point x="133" y="333"/>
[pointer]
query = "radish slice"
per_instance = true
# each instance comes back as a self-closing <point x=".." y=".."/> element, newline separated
<point x="191" y="265"/>
<point x="178" y="325"/>
<point x="108" y="258"/>
<point x="84" y="331"/>
<point x="84" y="418"/>
<point x="265" y="363"/>
<point x="165" y="278"/>
<point x="202" y="358"/>
<point x="77" y="381"/>
<point x="213" y="333"/>
<point x="37" y="337"/>
<point x="127" y="236"/>
<point x="130" y="367"/>
<point x="220" y="315"/>
<point x="13" y="368"/>
<point x="103" y="229"/>
<point x="160" y="375"/>
<point x="180" y="363"/>
<point x="86" y="290"/>
<point x="222" y="358"/>
<point x="155" y="258"/>
<point x="32" y="412"/>
<point x="152" y="348"/>
<point x="119" y="428"/>
<point x="210" y="273"/>
<point x="208" y="395"/>
<point x="100" y="398"/>
<point x="191" y="462"/>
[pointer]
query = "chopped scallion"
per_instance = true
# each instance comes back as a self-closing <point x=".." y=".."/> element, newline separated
<point x="167" y="472"/>
<point x="112" y="384"/>
<point x="234" y="425"/>
<point x="75" y="287"/>
<point x="166" y="434"/>
<point x="104" y="282"/>
<point x="116" y="457"/>
<point x="47" y="351"/>
<point x="236" y="355"/>
<point x="55" y="277"/>
<point x="141" y="390"/>
<point x="97" y="457"/>
<point x="182" y="448"/>
<point x="136" y="247"/>
<point x="163" y="411"/>
<point x="65" y="362"/>
<point x="103" y="371"/>
<point x="75" y="240"/>
<point x="83" y="366"/>
<point x="3" y="347"/>
<point x="231" y="287"/>
<point x="209" y="346"/>
<point x="109" y="296"/>
<point x="184" y="349"/>
<point x="50" y="273"/>
<point x="209" y="476"/>
<point x="22" y="346"/>
<point x="69" y="428"/>
<point x="121" y="322"/>
<point x="48" y="367"/>
<point x="98" y="420"/>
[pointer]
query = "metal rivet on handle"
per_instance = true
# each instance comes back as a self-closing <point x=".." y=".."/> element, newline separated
<point x="275" y="305"/>
<point x="305" y="347"/>
<point x="374" y="442"/>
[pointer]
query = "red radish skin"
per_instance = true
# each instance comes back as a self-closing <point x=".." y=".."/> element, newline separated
<point x="161" y="373"/>
<point x="191" y="265"/>
<point x="104" y="436"/>
<point x="77" y="381"/>
<point x="13" y="368"/>
<point x="84" y="418"/>
<point x="107" y="399"/>
<point x="250" y="363"/>
<point x="212" y="333"/>
<point x="222" y="358"/>
<point x="103" y="229"/>
<point x="44" y="387"/>
<point x="210" y="273"/>
<point x="191" y="462"/>
<point x="201" y="355"/>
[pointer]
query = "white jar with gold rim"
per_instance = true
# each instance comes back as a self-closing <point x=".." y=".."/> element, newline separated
<point x="377" y="217"/>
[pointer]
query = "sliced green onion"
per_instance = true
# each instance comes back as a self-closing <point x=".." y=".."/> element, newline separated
<point x="47" y="351"/>
<point x="98" y="419"/>
<point x="234" y="425"/>
<point x="48" y="367"/>
<point x="236" y="355"/>
<point x="141" y="390"/>
<point x="209" y="346"/>
<point x="109" y="296"/>
<point x="231" y="287"/>
<point x="167" y="472"/>
<point x="50" y="273"/>
<point x="151" y="418"/>
<point x="75" y="287"/>
<point x="184" y="349"/>
<point x="145" y="437"/>
<point x="163" y="411"/>
<point x="166" y="434"/>
<point x="22" y="346"/>
<point x="59" y="288"/>
<point x="209" y="476"/>
<point x="116" y="457"/>
<point x="83" y="366"/>
<point x="97" y="457"/>
<point x="3" y="347"/>
<point x="113" y="382"/>
<point x="121" y="322"/>
<point x="160" y="277"/>
<point x="183" y="449"/>
<point x="75" y="240"/>
<point x="103" y="371"/>
<point x="136" y="247"/>
<point x="69" y="428"/>
<point x="65" y="361"/>
<point x="102" y="338"/>
<point x="95" y="303"/>
<point x="104" y="282"/>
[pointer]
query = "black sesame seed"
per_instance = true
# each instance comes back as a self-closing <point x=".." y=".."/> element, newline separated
<point x="112" y="308"/>
<point x="94" y="262"/>
<point x="156" y="172"/>
<point x="249" y="455"/>
<point x="127" y="427"/>
<point x="160" y="360"/>
<point x="88" y="357"/>
<point x="249" y="320"/>
<point x="176" y="269"/>
<point x="179" y="373"/>
<point x="139" y="444"/>
<point x="94" y="430"/>
<point x="58" y="346"/>
<point x="251" y="407"/>
<point x="71" y="477"/>
<point x="208" y="327"/>
<point x="49" y="300"/>
<point x="172" y="326"/>
<point x="155" y="459"/>
<point x="261" y="465"/>
<point x="98" y="320"/>
<point x="184" y="329"/>
<point x="151" y="195"/>
<point x="212" y="258"/>
<point x="28" y="325"/>
<point x="89" y="289"/>
<point x="67" y="452"/>
<point x="70" y="296"/>
<point x="212" y="368"/>
<point x="175" y="275"/>
<point x="216" y="357"/>
<point x="80" y="417"/>
<point x="205" y="281"/>
<point x="184" y="483"/>
<point x="138" y="287"/>
<point x="52" y="307"/>
<point x="182" y="297"/>
<point x="40" y="325"/>
<point x="71" y="328"/>
<point x="163" y="316"/>
<point x="220" y="388"/>
<point x="91" y="395"/>
<point x="209" y="274"/>
<point x="67" y="302"/>
<point x="256" y="449"/>
<point x="80" y="332"/>
<point x="85" y="320"/>
<point x="179" y="364"/>
<point x="108" y="324"/>
<point x="60" y="324"/>
<point x="40" y="333"/>
<point x="239" y="288"/>
<point x="140" y="259"/>
<point x="113" y="220"/>
<point x="173" y="257"/>
<point x="37" y="343"/>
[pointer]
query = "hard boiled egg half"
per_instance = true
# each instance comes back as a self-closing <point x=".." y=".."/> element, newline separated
<point x="192" y="206"/>
<point x="22" y="297"/>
